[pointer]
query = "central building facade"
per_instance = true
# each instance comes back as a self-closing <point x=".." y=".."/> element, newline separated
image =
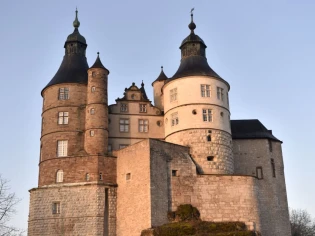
<point x="119" y="169"/>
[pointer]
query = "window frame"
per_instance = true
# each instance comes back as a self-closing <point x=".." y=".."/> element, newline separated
<point x="144" y="126"/>
<point x="63" y="118"/>
<point x="56" y="208"/>
<point x="59" y="176"/>
<point x="205" y="90"/>
<point x="174" y="119"/>
<point x="220" y="93"/>
<point x="62" y="148"/>
<point x="123" y="107"/>
<point x="124" y="125"/>
<point x="143" y="108"/>
<point x="207" y="115"/>
<point x="63" y="93"/>
<point x="173" y="94"/>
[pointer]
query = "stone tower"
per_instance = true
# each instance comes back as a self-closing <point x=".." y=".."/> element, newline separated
<point x="76" y="190"/>
<point x="196" y="109"/>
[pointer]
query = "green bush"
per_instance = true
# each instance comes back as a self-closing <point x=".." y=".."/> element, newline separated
<point x="187" y="213"/>
<point x="175" y="229"/>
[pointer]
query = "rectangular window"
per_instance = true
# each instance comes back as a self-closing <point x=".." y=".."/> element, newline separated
<point x="259" y="173"/>
<point x="56" y="208"/>
<point x="207" y="115"/>
<point x="123" y="107"/>
<point x="63" y="94"/>
<point x="273" y="167"/>
<point x="175" y="119"/>
<point x="62" y="148"/>
<point x="121" y="146"/>
<point x="143" y="126"/>
<point x="143" y="107"/>
<point x="124" y="125"/>
<point x="63" y="118"/>
<point x="174" y="173"/>
<point x="173" y="94"/>
<point x="220" y="93"/>
<point x="128" y="176"/>
<point x="205" y="90"/>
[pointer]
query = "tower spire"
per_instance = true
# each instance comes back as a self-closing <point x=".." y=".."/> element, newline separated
<point x="76" y="22"/>
<point x="192" y="25"/>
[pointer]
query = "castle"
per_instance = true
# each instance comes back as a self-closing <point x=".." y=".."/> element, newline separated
<point x="119" y="169"/>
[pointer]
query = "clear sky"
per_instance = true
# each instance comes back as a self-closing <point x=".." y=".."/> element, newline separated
<point x="264" y="49"/>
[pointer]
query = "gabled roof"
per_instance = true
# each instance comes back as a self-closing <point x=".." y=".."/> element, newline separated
<point x="250" y="129"/>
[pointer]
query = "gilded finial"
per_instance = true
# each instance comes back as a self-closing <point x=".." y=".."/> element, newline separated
<point x="76" y="22"/>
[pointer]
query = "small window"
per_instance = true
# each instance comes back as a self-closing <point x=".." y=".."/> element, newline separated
<point x="159" y="123"/>
<point x="143" y="108"/>
<point x="273" y="167"/>
<point x="124" y="125"/>
<point x="210" y="158"/>
<point x="194" y="112"/>
<point x="128" y="176"/>
<point x="93" y="89"/>
<point x="173" y="94"/>
<point x="56" y="208"/>
<point x="209" y="138"/>
<point x="205" y="90"/>
<point x="92" y="133"/>
<point x="101" y="176"/>
<point x="62" y="148"/>
<point x="87" y="177"/>
<point x="221" y="114"/>
<point x="174" y="172"/>
<point x="207" y="115"/>
<point x="63" y="118"/>
<point x="123" y="107"/>
<point x="175" y="120"/>
<point x="259" y="172"/>
<point x="143" y="126"/>
<point x="93" y="74"/>
<point x="63" y="94"/>
<point x="109" y="148"/>
<point x="59" y="176"/>
<point x="92" y="111"/>
<point x="220" y="93"/>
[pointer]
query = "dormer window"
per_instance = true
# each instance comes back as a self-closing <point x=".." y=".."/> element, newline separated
<point x="123" y="107"/>
<point x="143" y="107"/>
<point x="63" y="94"/>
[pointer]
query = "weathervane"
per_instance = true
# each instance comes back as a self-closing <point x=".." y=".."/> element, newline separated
<point x="191" y="11"/>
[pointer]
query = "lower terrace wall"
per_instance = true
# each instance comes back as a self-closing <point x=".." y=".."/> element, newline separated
<point x="82" y="209"/>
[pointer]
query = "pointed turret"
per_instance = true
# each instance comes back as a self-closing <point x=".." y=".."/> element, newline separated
<point x="161" y="77"/>
<point x="74" y="66"/>
<point x="194" y="61"/>
<point x="157" y="89"/>
<point x="98" y="63"/>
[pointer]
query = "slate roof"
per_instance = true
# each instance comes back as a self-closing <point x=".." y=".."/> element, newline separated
<point x="98" y="63"/>
<point x="250" y="129"/>
<point x="161" y="77"/>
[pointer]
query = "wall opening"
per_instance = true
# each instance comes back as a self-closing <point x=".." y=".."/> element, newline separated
<point x="210" y="158"/>
<point x="209" y="138"/>
<point x="259" y="172"/>
<point x="106" y="214"/>
<point x="174" y="172"/>
<point x="273" y="167"/>
<point x="128" y="176"/>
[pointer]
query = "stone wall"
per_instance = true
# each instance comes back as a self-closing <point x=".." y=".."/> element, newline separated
<point x="82" y="210"/>
<point x="133" y="192"/>
<point x="257" y="153"/>
<point x="219" y="147"/>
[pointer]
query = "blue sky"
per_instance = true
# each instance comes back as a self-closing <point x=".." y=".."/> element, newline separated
<point x="264" y="49"/>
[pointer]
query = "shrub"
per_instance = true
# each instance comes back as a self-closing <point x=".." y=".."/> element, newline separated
<point x="187" y="213"/>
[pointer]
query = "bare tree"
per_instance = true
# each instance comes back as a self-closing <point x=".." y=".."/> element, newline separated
<point x="8" y="202"/>
<point x="301" y="223"/>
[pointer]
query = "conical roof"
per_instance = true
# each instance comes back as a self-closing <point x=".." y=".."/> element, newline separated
<point x="98" y="63"/>
<point x="74" y="66"/>
<point x="161" y="77"/>
<point x="194" y="61"/>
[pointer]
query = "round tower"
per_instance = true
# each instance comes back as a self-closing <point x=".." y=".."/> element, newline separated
<point x="63" y="116"/>
<point x="96" y="125"/>
<point x="157" y="89"/>
<point x="196" y="109"/>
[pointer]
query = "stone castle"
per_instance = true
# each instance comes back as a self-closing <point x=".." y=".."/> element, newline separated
<point x="119" y="169"/>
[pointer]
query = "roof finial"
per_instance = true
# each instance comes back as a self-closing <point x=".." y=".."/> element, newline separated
<point x="161" y="68"/>
<point x="192" y="25"/>
<point x="98" y="54"/>
<point x="76" y="22"/>
<point x="142" y="84"/>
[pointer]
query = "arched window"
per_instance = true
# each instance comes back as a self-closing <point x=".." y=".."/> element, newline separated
<point x="59" y="176"/>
